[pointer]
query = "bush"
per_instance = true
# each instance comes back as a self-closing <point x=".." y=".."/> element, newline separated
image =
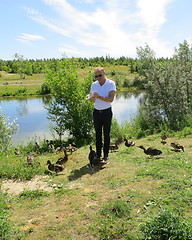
<point x="21" y="91"/>
<point x="167" y="226"/>
<point x="6" y="131"/>
<point x="45" y="89"/>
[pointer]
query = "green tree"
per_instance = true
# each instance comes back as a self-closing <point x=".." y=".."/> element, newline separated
<point x="69" y="109"/>
<point x="21" y="65"/>
<point x="169" y="87"/>
<point x="7" y="129"/>
<point x="145" y="57"/>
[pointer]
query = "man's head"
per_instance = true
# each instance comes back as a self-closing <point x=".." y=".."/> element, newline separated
<point x="100" y="75"/>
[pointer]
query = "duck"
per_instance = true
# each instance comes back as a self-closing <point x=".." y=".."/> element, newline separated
<point x="113" y="147"/>
<point x="151" y="151"/>
<point x="30" y="159"/>
<point x="58" y="149"/>
<point x="128" y="143"/>
<point x="163" y="138"/>
<point x="64" y="159"/>
<point x="71" y="148"/>
<point x="17" y="152"/>
<point x="177" y="146"/>
<point x="55" y="167"/>
<point x="97" y="162"/>
<point x="92" y="156"/>
<point x="73" y="144"/>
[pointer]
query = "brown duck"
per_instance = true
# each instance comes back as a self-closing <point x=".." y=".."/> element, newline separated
<point x="98" y="163"/>
<point x="113" y="147"/>
<point x="128" y="143"/>
<point x="151" y="151"/>
<point x="64" y="159"/>
<point x="163" y="138"/>
<point x="30" y="159"/>
<point x="177" y="146"/>
<point x="92" y="155"/>
<point x="17" y="152"/>
<point x="71" y="148"/>
<point x="54" y="167"/>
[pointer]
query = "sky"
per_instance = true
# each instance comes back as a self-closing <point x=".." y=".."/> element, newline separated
<point x="38" y="29"/>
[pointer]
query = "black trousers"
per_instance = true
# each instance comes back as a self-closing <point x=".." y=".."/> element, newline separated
<point x="102" y="123"/>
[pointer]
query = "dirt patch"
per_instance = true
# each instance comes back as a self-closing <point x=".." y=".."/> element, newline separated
<point x="17" y="187"/>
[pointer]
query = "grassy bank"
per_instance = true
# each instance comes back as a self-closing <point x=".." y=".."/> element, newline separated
<point x="13" y="85"/>
<point x="109" y="203"/>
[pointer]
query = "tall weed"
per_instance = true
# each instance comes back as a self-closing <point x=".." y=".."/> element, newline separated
<point x="168" y="225"/>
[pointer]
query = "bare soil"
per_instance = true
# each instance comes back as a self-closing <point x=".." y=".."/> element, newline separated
<point x="16" y="187"/>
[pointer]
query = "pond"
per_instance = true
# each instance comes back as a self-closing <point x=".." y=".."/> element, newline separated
<point x="31" y="113"/>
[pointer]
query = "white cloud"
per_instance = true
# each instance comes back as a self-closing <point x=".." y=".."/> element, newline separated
<point x="31" y="11"/>
<point x="114" y="27"/>
<point x="68" y="49"/>
<point x="27" y="38"/>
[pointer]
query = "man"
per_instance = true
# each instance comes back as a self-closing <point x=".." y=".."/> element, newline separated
<point x="102" y="94"/>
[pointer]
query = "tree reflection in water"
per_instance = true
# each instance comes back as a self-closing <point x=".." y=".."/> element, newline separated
<point x="32" y="114"/>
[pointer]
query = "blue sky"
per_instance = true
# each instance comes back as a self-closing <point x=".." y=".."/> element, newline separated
<point x="40" y="29"/>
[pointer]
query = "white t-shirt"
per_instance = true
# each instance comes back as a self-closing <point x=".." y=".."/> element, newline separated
<point x="103" y="91"/>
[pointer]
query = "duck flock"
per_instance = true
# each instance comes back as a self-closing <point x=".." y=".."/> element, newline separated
<point x="59" y="165"/>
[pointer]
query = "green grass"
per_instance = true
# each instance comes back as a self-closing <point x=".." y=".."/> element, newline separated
<point x="13" y="85"/>
<point x="125" y="200"/>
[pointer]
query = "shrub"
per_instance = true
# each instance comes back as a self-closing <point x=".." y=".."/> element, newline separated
<point x="7" y="129"/>
<point x="21" y="91"/>
<point x="45" y="89"/>
<point x="167" y="226"/>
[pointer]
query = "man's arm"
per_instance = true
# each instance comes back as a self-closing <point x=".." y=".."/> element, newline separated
<point x="110" y="98"/>
<point x="92" y="99"/>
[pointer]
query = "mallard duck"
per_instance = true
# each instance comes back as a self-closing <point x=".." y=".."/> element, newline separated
<point x="17" y="152"/>
<point x="177" y="146"/>
<point x="73" y="144"/>
<point x="92" y="155"/>
<point x="64" y="159"/>
<point x="163" y="138"/>
<point x="71" y="148"/>
<point x="58" y="150"/>
<point x="128" y="143"/>
<point x="113" y="147"/>
<point x="98" y="163"/>
<point x="30" y="159"/>
<point x="151" y="151"/>
<point x="54" y="167"/>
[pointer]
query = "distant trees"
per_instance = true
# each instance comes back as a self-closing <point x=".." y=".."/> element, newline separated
<point x="31" y="66"/>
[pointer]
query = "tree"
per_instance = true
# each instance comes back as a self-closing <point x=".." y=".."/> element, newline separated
<point x="69" y="109"/>
<point x="21" y="66"/>
<point x="169" y="87"/>
<point x="6" y="132"/>
<point x="145" y="57"/>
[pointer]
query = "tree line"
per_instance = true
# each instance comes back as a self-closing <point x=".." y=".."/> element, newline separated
<point x="22" y="66"/>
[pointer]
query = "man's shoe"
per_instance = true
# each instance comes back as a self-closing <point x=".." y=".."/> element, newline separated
<point x="106" y="158"/>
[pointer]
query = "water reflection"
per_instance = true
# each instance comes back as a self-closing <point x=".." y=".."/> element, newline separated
<point x="32" y="114"/>
<point x="126" y="104"/>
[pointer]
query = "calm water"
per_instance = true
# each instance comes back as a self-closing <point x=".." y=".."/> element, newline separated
<point x="31" y="113"/>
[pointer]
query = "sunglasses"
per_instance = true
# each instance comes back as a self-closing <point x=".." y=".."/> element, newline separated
<point x="100" y="75"/>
